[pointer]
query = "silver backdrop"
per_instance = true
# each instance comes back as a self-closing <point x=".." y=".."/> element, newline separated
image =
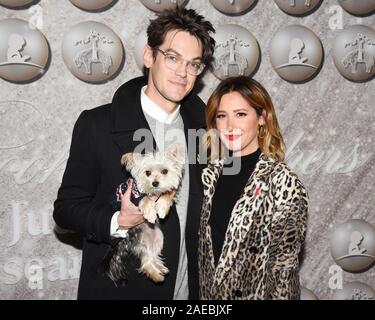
<point x="327" y="123"/>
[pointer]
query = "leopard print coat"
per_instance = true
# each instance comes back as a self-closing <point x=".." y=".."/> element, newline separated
<point x="265" y="234"/>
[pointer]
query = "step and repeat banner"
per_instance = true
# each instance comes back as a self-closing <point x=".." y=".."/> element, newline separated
<point x="316" y="59"/>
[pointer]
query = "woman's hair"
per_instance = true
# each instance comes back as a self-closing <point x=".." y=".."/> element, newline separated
<point x="270" y="140"/>
<point x="182" y="19"/>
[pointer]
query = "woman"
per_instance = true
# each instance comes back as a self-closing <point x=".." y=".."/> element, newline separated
<point x="253" y="222"/>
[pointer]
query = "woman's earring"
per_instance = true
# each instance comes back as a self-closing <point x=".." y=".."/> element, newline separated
<point x="261" y="132"/>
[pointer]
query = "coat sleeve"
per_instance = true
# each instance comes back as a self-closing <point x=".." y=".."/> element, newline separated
<point x="290" y="207"/>
<point x="75" y="208"/>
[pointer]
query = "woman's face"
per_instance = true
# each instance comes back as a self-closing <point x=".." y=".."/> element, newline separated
<point x="237" y="123"/>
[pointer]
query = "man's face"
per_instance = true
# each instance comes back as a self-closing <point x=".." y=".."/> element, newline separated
<point x="167" y="87"/>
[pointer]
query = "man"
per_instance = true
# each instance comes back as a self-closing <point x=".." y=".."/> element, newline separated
<point x="179" y="46"/>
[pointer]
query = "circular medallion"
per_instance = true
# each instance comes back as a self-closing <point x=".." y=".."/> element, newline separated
<point x="15" y="3"/>
<point x="354" y="53"/>
<point x="353" y="245"/>
<point x="237" y="52"/>
<point x="92" y="5"/>
<point x="24" y="51"/>
<point x="161" y="5"/>
<point x="298" y="7"/>
<point x="232" y="7"/>
<point x="358" y="7"/>
<point x="296" y="53"/>
<point x="92" y="51"/>
<point x="354" y="291"/>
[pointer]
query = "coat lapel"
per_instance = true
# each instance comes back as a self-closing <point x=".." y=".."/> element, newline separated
<point x="127" y="117"/>
<point x="255" y="191"/>
<point x="210" y="175"/>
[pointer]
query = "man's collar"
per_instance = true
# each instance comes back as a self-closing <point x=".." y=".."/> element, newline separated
<point x="153" y="110"/>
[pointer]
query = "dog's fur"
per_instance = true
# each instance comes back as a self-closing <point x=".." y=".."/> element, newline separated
<point x="156" y="174"/>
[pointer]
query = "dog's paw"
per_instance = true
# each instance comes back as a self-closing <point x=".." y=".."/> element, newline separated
<point x="149" y="211"/>
<point x="164" y="270"/>
<point x="160" y="266"/>
<point x="162" y="207"/>
<point x="150" y="217"/>
<point x="157" y="277"/>
<point x="152" y="272"/>
<point x="162" y="212"/>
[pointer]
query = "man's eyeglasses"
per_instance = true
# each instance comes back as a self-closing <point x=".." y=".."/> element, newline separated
<point x="172" y="61"/>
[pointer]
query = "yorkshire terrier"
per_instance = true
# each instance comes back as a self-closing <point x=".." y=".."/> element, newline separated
<point x="156" y="176"/>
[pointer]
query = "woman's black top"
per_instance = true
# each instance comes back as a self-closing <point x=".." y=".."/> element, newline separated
<point x="228" y="190"/>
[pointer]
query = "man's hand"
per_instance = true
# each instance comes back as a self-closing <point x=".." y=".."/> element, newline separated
<point x="129" y="216"/>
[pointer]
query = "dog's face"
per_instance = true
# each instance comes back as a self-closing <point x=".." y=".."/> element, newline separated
<point x="156" y="173"/>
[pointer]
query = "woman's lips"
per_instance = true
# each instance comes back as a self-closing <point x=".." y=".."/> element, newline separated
<point x="232" y="137"/>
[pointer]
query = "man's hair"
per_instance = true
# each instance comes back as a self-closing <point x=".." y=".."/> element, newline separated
<point x="182" y="19"/>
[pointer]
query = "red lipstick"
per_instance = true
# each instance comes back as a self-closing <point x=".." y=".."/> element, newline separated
<point x="232" y="137"/>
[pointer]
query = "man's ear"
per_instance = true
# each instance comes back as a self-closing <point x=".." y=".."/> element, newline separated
<point x="148" y="57"/>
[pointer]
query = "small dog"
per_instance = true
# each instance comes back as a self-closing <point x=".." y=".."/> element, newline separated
<point x="155" y="175"/>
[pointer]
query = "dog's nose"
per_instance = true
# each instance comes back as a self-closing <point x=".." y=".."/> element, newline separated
<point x="155" y="183"/>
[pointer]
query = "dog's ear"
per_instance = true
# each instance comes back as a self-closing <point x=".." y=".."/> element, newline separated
<point x="175" y="153"/>
<point x="128" y="159"/>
